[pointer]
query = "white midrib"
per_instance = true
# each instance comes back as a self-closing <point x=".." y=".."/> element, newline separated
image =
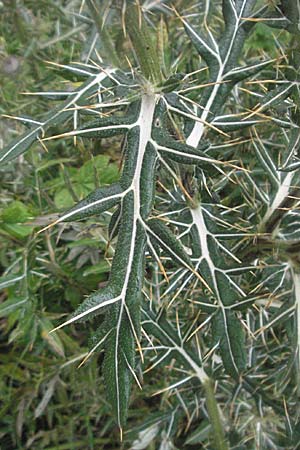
<point x="199" y="371"/>
<point x="90" y="205"/>
<point x="203" y="232"/>
<point x="198" y="220"/>
<point x="281" y="194"/>
<point x="145" y="122"/>
<point x="198" y="129"/>
<point x="98" y="79"/>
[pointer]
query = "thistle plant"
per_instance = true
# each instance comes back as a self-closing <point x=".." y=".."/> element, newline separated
<point x="204" y="219"/>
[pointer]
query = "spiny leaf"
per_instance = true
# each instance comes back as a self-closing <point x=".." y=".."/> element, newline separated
<point x="102" y="199"/>
<point x="118" y="359"/>
<point x="164" y="237"/>
<point x="228" y="331"/>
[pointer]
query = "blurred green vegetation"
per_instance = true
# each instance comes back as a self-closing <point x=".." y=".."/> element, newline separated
<point x="46" y="401"/>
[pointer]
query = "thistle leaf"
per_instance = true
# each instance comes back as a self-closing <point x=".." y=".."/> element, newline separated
<point x="118" y="363"/>
<point x="102" y="199"/>
<point x="228" y="332"/>
<point x="164" y="237"/>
